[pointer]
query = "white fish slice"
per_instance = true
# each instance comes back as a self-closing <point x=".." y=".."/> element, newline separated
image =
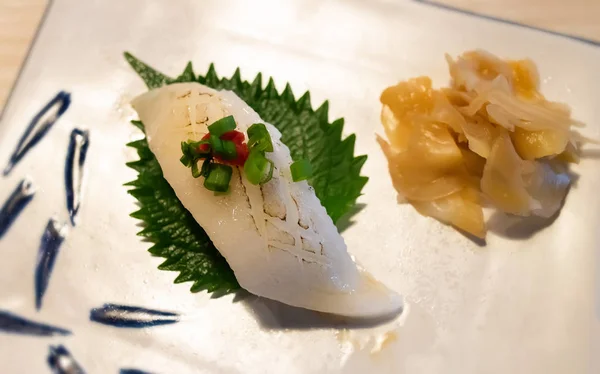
<point x="277" y="238"/>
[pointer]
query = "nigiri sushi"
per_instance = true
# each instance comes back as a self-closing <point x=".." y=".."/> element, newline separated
<point x="276" y="236"/>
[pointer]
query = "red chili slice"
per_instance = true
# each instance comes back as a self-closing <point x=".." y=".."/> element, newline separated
<point x="205" y="147"/>
<point x="241" y="148"/>
<point x="242" y="154"/>
<point x="235" y="136"/>
<point x="240" y="160"/>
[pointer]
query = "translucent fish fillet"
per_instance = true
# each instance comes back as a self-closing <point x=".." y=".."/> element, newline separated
<point x="277" y="238"/>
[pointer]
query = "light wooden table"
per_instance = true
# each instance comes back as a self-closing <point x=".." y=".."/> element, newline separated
<point x="19" y="20"/>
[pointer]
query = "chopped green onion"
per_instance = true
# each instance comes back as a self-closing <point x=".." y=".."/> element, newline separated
<point x="195" y="172"/>
<point x="254" y="167"/>
<point x="192" y="150"/>
<point x="257" y="129"/>
<point x="216" y="144"/>
<point x="196" y="145"/>
<point x="269" y="175"/>
<point x="195" y="149"/>
<point x="258" y="168"/>
<point x="186" y="158"/>
<point x="259" y="138"/>
<point x="186" y="161"/>
<point x="185" y="149"/>
<point x="218" y="177"/>
<point x="229" y="150"/>
<point x="263" y="144"/>
<point x="301" y="170"/>
<point x="205" y="167"/>
<point x="221" y="126"/>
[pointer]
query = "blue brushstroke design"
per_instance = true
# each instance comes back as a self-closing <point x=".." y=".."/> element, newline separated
<point x="76" y="154"/>
<point x="131" y="316"/>
<point x="15" y="324"/>
<point x="508" y="22"/>
<point x="16" y="202"/>
<point x="61" y="361"/>
<point x="133" y="371"/>
<point x="37" y="128"/>
<point x="51" y="240"/>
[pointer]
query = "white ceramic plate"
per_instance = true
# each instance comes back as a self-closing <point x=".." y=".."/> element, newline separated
<point x="518" y="305"/>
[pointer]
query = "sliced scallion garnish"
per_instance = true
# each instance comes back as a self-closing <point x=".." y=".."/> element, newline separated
<point x="269" y="175"/>
<point x="205" y="167"/>
<point x="186" y="161"/>
<point x="195" y="172"/>
<point x="222" y="126"/>
<point x="301" y="170"/>
<point x="258" y="168"/>
<point x="259" y="138"/>
<point x="216" y="144"/>
<point x="196" y="151"/>
<point x="218" y="178"/>
<point x="229" y="150"/>
<point x="191" y="151"/>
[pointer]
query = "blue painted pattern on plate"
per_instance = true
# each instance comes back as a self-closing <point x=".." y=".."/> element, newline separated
<point x="50" y="245"/>
<point x="74" y="167"/>
<point x="39" y="126"/>
<point x="16" y="202"/>
<point x="131" y="316"/>
<point x="61" y="361"/>
<point x="15" y="324"/>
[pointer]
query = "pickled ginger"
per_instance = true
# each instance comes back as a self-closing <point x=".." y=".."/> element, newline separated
<point x="490" y="138"/>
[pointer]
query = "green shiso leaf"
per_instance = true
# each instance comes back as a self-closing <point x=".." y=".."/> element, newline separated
<point x="175" y="234"/>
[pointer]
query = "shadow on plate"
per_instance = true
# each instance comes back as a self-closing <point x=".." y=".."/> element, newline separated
<point x="345" y="222"/>
<point x="593" y="154"/>
<point x="273" y="315"/>
<point x="520" y="228"/>
<point x="476" y="240"/>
